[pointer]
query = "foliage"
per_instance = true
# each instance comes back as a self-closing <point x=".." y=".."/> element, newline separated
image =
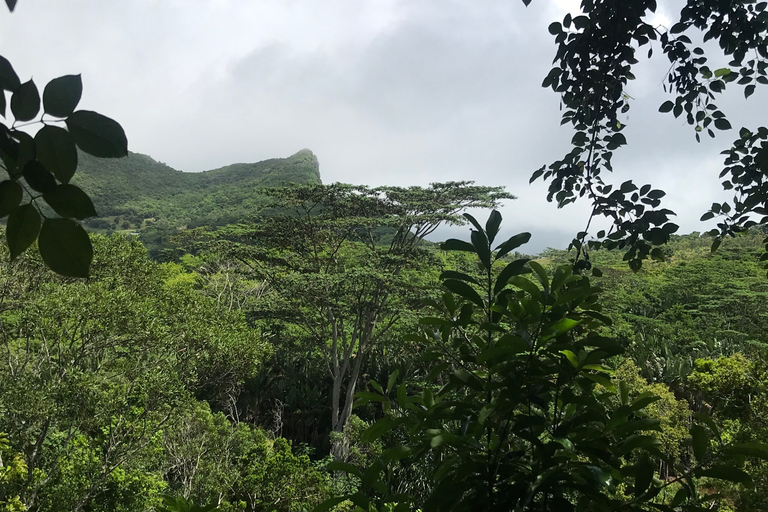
<point x="342" y="265"/>
<point x="519" y="411"/>
<point x="593" y="65"/>
<point x="139" y="195"/>
<point x="237" y="466"/>
<point x="93" y="370"/>
<point x="37" y="197"/>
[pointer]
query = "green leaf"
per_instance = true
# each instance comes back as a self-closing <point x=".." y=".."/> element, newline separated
<point x="23" y="227"/>
<point x="378" y="429"/>
<point x="571" y="358"/>
<point x="755" y="449"/>
<point x="57" y="152"/>
<point x="680" y="496"/>
<point x="515" y="268"/>
<point x="464" y="290"/>
<point x="65" y="247"/>
<point x="25" y="102"/>
<point x="624" y="392"/>
<point x="725" y="472"/>
<point x="11" y="4"/>
<point x="722" y="72"/>
<point x="526" y="285"/>
<point x="392" y="379"/>
<point x="38" y="177"/>
<point x="708" y="421"/>
<point x="563" y="325"/>
<point x="644" y="471"/>
<point x="452" y="244"/>
<point x="26" y="152"/>
<point x="453" y="274"/>
<point x="512" y="244"/>
<point x="97" y="135"/>
<point x="722" y="124"/>
<point x="667" y="106"/>
<point x="10" y="197"/>
<point x="9" y="80"/>
<point x="474" y="222"/>
<point x="699" y="441"/>
<point x="492" y="225"/>
<point x="70" y="201"/>
<point x="61" y="95"/>
<point x="540" y="273"/>
<point x="480" y="242"/>
<point x="343" y="466"/>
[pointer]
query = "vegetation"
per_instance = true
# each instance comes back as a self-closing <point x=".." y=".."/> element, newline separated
<point x="308" y="349"/>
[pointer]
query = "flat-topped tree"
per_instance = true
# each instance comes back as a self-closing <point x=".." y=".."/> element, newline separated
<point x="337" y="264"/>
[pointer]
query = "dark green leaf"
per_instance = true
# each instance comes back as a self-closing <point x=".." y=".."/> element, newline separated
<point x="23" y="227"/>
<point x="25" y="101"/>
<point x="57" y="152"/>
<point x="343" y="466"/>
<point x="699" y="441"/>
<point x="755" y="449"/>
<point x="515" y="268"/>
<point x="452" y="274"/>
<point x="644" y="471"/>
<point x="722" y="124"/>
<point x="492" y="225"/>
<point x="9" y="80"/>
<point x="474" y="222"/>
<point x="97" y="135"/>
<point x="480" y="242"/>
<point x="667" y="106"/>
<point x="26" y="152"/>
<point x="10" y="197"/>
<point x="392" y="379"/>
<point x="70" y="201"/>
<point x="38" y="177"/>
<point x="724" y="472"/>
<point x="65" y="247"/>
<point x="378" y="429"/>
<point x="464" y="290"/>
<point x="11" y="4"/>
<point x="512" y="244"/>
<point x="61" y="95"/>
<point x="453" y="244"/>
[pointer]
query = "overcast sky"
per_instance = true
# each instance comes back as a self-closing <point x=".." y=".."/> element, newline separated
<point x="396" y="92"/>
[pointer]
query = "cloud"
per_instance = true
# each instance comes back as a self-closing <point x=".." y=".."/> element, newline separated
<point x="395" y="92"/>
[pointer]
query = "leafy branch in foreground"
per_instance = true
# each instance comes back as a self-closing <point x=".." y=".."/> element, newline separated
<point x="520" y="411"/>
<point x="596" y="52"/>
<point x="37" y="197"/>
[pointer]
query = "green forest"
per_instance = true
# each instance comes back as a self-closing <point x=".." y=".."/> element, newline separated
<point x="251" y="339"/>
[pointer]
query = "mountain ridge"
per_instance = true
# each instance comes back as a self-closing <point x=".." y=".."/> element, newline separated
<point x="138" y="194"/>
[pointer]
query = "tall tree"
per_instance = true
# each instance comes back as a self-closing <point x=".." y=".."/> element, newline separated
<point x="339" y="263"/>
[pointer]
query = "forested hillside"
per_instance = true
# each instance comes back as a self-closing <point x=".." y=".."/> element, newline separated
<point x="137" y="194"/>
<point x="248" y="339"/>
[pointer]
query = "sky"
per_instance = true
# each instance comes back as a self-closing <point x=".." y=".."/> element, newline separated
<point x="384" y="92"/>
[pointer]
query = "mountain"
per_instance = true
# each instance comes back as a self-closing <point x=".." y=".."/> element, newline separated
<point x="140" y="194"/>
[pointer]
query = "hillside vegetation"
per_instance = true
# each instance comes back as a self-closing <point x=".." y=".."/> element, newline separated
<point x="140" y="194"/>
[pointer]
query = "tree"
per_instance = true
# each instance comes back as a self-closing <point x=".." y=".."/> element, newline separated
<point x="596" y="52"/>
<point x="519" y="410"/>
<point x="93" y="370"/>
<point x="338" y="264"/>
<point x="37" y="197"/>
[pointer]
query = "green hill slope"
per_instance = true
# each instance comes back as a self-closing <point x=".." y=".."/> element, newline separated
<point x="139" y="194"/>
